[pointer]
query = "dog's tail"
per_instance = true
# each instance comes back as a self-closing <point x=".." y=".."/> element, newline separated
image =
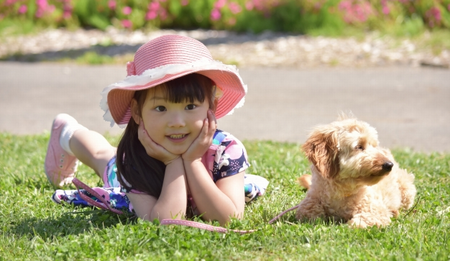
<point x="304" y="181"/>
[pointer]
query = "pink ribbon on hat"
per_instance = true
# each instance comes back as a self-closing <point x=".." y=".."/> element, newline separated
<point x="131" y="69"/>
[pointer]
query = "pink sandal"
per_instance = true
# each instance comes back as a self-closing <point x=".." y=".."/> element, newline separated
<point x="60" y="166"/>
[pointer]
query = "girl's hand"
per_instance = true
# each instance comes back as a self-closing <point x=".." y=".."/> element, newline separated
<point x="153" y="149"/>
<point x="204" y="139"/>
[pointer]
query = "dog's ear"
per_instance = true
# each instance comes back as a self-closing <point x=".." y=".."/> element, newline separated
<point x="321" y="149"/>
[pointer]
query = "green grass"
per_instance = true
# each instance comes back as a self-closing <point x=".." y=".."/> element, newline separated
<point x="34" y="228"/>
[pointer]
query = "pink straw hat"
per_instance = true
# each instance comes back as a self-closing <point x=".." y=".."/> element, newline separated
<point x="166" y="58"/>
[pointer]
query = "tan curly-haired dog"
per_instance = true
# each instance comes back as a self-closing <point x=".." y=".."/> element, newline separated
<point x="353" y="179"/>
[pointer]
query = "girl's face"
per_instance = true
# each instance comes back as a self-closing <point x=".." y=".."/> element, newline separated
<point x="173" y="126"/>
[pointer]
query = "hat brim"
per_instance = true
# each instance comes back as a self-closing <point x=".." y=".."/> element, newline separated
<point x="116" y="98"/>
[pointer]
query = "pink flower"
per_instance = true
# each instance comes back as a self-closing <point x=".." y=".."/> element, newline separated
<point x="345" y="5"/>
<point x="67" y="14"/>
<point x="162" y="14"/>
<point x="258" y="4"/>
<point x="385" y="8"/>
<point x="235" y="8"/>
<point x="126" y="10"/>
<point x="51" y="8"/>
<point x="151" y="15"/>
<point x="249" y="5"/>
<point x="317" y="6"/>
<point x="356" y="11"/>
<point x="43" y="7"/>
<point x="220" y="3"/>
<point x="434" y="13"/>
<point x="42" y="4"/>
<point x="112" y="4"/>
<point x="22" y="9"/>
<point x="153" y="9"/>
<point x="434" y="16"/>
<point x="154" y="6"/>
<point x="126" y="23"/>
<point x="437" y="14"/>
<point x="184" y="2"/>
<point x="215" y="14"/>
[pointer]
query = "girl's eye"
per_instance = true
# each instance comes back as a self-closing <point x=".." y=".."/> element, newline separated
<point x="191" y="107"/>
<point x="160" y="108"/>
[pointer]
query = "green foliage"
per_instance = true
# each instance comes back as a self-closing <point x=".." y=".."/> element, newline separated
<point x="332" y="17"/>
<point x="191" y="16"/>
<point x="411" y="26"/>
<point x="88" y="15"/>
<point x="32" y="227"/>
<point x="94" y="59"/>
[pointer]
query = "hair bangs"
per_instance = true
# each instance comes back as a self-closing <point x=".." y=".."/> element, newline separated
<point x="189" y="88"/>
<point x="183" y="90"/>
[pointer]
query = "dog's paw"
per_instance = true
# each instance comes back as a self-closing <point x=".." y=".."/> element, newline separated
<point x="365" y="222"/>
<point x="357" y="223"/>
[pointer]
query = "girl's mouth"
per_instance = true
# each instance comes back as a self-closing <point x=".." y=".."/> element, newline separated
<point x="177" y="136"/>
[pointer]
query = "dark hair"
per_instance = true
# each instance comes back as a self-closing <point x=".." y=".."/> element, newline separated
<point x="137" y="170"/>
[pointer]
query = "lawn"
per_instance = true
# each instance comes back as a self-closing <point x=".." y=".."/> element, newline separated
<point x="34" y="228"/>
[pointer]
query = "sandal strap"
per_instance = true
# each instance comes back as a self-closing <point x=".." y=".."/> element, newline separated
<point x="104" y="203"/>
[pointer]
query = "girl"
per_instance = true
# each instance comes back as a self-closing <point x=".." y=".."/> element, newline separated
<point x="171" y="161"/>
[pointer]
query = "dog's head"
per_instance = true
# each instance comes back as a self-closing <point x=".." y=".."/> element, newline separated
<point x="348" y="149"/>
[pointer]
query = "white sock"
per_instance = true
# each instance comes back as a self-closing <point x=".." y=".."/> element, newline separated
<point x="66" y="134"/>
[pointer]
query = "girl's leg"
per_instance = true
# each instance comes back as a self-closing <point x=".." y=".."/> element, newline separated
<point x="92" y="149"/>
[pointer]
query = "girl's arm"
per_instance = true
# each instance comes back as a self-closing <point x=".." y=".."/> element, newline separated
<point x="172" y="201"/>
<point x="216" y="201"/>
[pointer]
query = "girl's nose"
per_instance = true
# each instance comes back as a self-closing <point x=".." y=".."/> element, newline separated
<point x="176" y="120"/>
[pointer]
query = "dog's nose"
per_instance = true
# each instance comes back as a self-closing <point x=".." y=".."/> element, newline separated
<point x="388" y="166"/>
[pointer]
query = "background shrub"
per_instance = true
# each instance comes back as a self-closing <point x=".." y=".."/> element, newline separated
<point x="297" y="16"/>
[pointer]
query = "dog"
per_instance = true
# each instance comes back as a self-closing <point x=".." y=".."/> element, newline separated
<point x="353" y="180"/>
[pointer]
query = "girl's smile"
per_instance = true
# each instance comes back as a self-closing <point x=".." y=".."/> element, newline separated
<point x="177" y="137"/>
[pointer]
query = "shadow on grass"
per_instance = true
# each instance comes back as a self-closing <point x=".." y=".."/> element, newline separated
<point x="80" y="221"/>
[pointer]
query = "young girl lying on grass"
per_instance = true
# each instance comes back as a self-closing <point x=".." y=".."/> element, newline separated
<point x="171" y="161"/>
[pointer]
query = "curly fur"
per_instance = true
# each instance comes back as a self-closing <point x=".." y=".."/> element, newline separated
<point x="353" y="179"/>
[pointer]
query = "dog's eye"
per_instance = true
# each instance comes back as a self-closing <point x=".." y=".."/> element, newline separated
<point x="359" y="147"/>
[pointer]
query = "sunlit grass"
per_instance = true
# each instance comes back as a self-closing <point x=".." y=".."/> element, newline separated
<point x="34" y="228"/>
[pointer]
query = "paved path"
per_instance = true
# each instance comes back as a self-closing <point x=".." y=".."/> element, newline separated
<point x="410" y="107"/>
